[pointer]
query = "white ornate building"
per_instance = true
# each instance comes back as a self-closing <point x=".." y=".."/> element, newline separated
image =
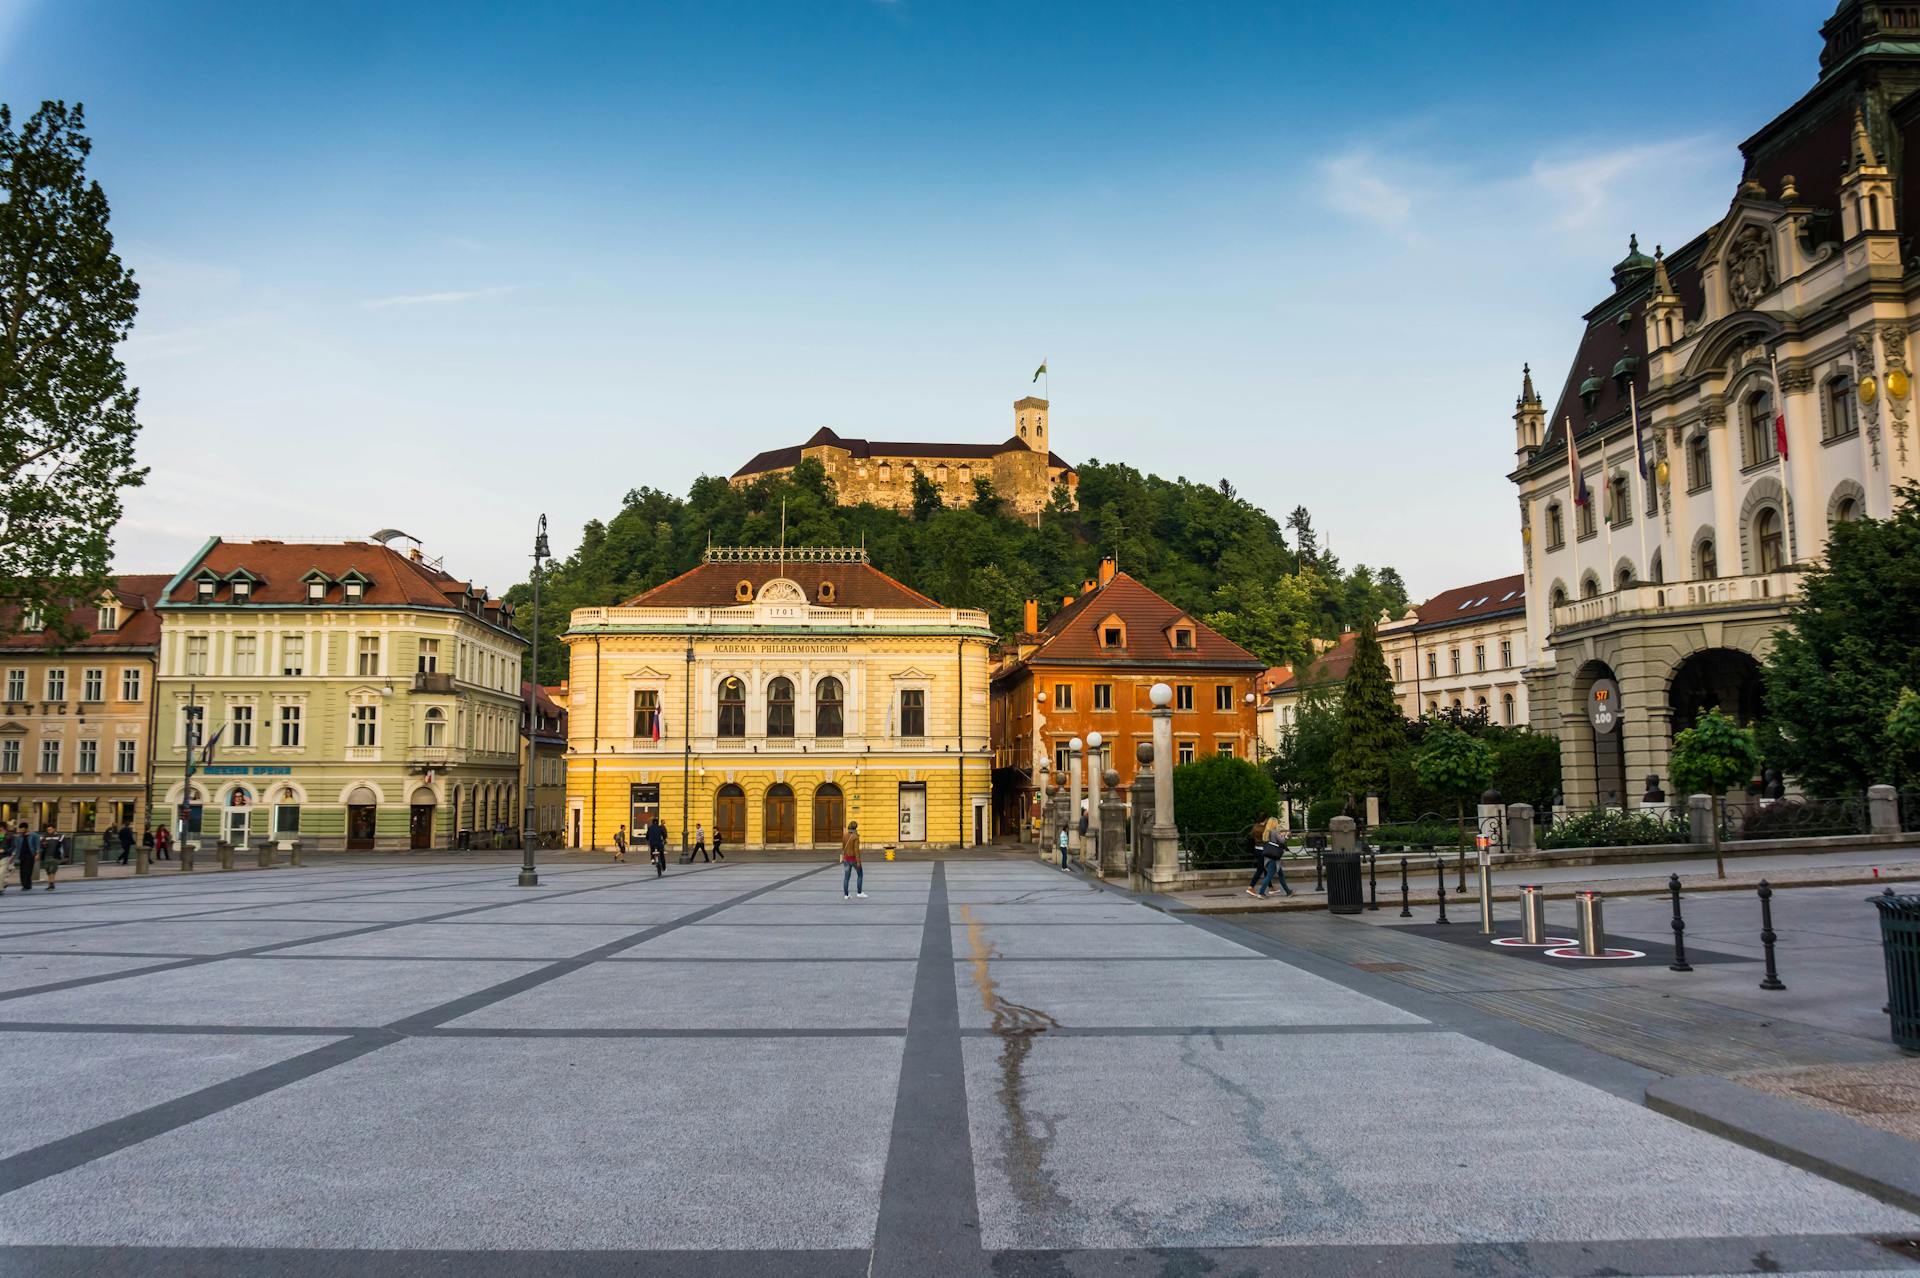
<point x="1799" y="303"/>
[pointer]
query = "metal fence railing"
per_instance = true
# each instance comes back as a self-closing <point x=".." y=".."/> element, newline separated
<point x="1794" y="818"/>
<point x="1909" y="811"/>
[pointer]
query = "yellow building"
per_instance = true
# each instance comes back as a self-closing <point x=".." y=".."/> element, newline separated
<point x="772" y="697"/>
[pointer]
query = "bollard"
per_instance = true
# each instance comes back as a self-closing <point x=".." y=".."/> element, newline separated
<point x="226" y="854"/>
<point x="142" y="863"/>
<point x="1373" y="880"/>
<point x="186" y="856"/>
<point x="1440" y="864"/>
<point x="90" y="863"/>
<point x="1461" y="887"/>
<point x="1593" y="928"/>
<point x="1316" y="871"/>
<point x="1679" y="963"/>
<point x="1406" y="911"/>
<point x="265" y="855"/>
<point x="1486" y="899"/>
<point x="293" y="853"/>
<point x="1772" y="979"/>
<point x="1533" y="914"/>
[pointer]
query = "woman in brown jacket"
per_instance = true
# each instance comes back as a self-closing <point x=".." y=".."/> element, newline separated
<point x="850" y="868"/>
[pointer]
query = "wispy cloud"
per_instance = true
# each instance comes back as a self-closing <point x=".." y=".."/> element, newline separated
<point x="438" y="299"/>
<point x="1352" y="184"/>
<point x="1598" y="185"/>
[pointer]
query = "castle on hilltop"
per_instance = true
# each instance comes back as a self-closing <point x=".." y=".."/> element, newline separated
<point x="1022" y="470"/>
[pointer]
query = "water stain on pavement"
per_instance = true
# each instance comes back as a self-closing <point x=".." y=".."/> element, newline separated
<point x="1023" y="1150"/>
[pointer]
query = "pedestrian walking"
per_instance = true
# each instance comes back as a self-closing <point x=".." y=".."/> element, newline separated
<point x="851" y="871"/>
<point x="9" y="852"/>
<point x="1273" y="846"/>
<point x="699" y="852"/>
<point x="26" y="852"/>
<point x="657" y="846"/>
<point x="718" y="855"/>
<point x="1063" y="848"/>
<point x="126" y="842"/>
<point x="52" y="850"/>
<point x="620" y="845"/>
<point x="163" y="844"/>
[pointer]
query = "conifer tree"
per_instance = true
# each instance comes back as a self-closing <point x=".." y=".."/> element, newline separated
<point x="1370" y="720"/>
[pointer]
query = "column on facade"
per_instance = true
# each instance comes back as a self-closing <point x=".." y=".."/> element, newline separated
<point x="1073" y="794"/>
<point x="1166" y="837"/>
<point x="1096" y="791"/>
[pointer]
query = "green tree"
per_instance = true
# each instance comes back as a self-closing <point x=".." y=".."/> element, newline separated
<point x="1302" y="763"/>
<point x="67" y="423"/>
<point x="1850" y="646"/>
<point x="927" y="501"/>
<point x="1903" y="734"/>
<point x="1218" y="794"/>
<point x="1711" y="757"/>
<point x="1370" y="721"/>
<point x="985" y="500"/>
<point x="1456" y="763"/>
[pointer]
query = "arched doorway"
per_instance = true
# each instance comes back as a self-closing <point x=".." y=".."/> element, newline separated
<point x="777" y="814"/>
<point x="829" y="814"/>
<point x="1723" y="677"/>
<point x="239" y="813"/>
<point x="1604" y="736"/>
<point x="420" y="819"/>
<point x="363" y="805"/>
<point x="730" y="814"/>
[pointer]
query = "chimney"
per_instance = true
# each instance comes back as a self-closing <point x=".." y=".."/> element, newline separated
<point x="414" y="554"/>
<point x="1086" y="587"/>
<point x="1107" y="567"/>
<point x="1032" y="625"/>
<point x="1065" y="600"/>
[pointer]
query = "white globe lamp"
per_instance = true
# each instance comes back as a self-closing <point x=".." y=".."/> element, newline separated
<point x="1161" y="694"/>
<point x="1093" y="741"/>
<point x="1075" y="745"/>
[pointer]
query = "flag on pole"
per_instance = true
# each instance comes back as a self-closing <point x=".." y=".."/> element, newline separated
<point x="659" y="724"/>
<point x="1038" y="372"/>
<point x="206" y="754"/>
<point x="1780" y="430"/>
<point x="1576" y="478"/>
<point x="1639" y="441"/>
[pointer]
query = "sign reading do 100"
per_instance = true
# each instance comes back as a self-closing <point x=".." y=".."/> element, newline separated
<point x="1603" y="705"/>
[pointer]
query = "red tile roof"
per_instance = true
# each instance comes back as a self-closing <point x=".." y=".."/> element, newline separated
<point x="281" y="569"/>
<point x="1484" y="599"/>
<point x="1329" y="668"/>
<point x="139" y="628"/>
<point x="713" y="585"/>
<point x="1071" y="636"/>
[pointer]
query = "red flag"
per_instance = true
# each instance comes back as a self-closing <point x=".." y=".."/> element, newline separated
<point x="658" y="715"/>
<point x="1780" y="433"/>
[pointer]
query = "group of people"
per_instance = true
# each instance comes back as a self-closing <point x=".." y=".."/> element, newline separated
<point x="25" y="849"/>
<point x="1269" y="843"/>
<point x="654" y="836"/>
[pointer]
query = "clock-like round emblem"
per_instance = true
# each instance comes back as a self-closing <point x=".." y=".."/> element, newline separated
<point x="1868" y="390"/>
<point x="1897" y="383"/>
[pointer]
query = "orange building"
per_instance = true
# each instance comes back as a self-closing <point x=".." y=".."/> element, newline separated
<point x="1088" y="670"/>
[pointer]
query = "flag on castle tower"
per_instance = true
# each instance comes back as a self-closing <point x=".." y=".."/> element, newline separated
<point x="1040" y="370"/>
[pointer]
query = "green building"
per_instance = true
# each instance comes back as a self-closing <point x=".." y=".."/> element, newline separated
<point x="355" y="698"/>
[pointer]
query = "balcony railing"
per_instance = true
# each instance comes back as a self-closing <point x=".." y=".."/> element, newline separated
<point x="1761" y="589"/>
<point x="432" y="681"/>
<point x="434" y="756"/>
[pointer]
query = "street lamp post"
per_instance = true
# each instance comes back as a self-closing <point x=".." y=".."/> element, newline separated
<point x="686" y="758"/>
<point x="527" y="828"/>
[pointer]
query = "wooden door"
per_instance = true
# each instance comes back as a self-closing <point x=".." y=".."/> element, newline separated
<point x="420" y="826"/>
<point x="730" y="814"/>
<point x="778" y="815"/>
<point x="829" y="814"/>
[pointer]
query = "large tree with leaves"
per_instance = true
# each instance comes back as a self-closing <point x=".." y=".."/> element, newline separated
<point x="1851" y="644"/>
<point x="67" y="422"/>
<point x="1371" y="725"/>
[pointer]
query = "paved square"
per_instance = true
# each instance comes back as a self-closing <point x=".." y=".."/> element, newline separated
<point x="986" y="1067"/>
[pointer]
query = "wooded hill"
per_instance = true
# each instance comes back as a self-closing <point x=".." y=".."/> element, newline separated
<point x="1202" y="546"/>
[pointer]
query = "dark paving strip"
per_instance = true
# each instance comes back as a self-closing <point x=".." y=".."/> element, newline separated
<point x="929" y="1214"/>
<point x="202" y="960"/>
<point x="1214" y="1031"/>
<point x="458" y="1031"/>
<point x="73" y="1151"/>
<point x="233" y="1031"/>
<point x="449" y="1031"/>
<point x="1114" y="958"/>
<point x="290" y="1262"/>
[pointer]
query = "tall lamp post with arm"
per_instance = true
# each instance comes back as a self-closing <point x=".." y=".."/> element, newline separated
<point x="527" y="827"/>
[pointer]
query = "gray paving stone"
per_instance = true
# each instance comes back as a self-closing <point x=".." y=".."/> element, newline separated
<point x="1169" y="993"/>
<point x="683" y="995"/>
<point x="94" y="1078"/>
<point x="182" y="937"/>
<point x="1093" y="941"/>
<point x="21" y="971"/>
<point x="472" y="940"/>
<point x="1270" y="1140"/>
<point x="773" y="940"/>
<point x="266" y="992"/>
<point x="694" y="1144"/>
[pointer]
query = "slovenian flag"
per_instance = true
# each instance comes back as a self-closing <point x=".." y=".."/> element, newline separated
<point x="1038" y="372"/>
<point x="1579" y="478"/>
<point x="659" y="724"/>
<point x="1780" y="432"/>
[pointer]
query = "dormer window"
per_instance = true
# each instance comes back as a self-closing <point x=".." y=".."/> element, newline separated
<point x="316" y="591"/>
<point x="1112" y="637"/>
<point x="1183" y="638"/>
<point x="826" y="592"/>
<point x="242" y="591"/>
<point x="32" y="621"/>
<point x="743" y="591"/>
<point x="354" y="591"/>
<point x="205" y="590"/>
<point x="109" y="618"/>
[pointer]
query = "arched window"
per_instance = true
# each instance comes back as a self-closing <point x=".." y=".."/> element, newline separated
<point x="1767" y="532"/>
<point x="1556" y="527"/>
<point x="733" y="707"/>
<point x="434" y="728"/>
<point x="1846" y="511"/>
<point x="1839" y="420"/>
<point x="1709" y="566"/>
<point x="1559" y="596"/>
<point x="1506" y="708"/>
<point x="1699" y="466"/>
<point x="1656" y="570"/>
<point x="1619" y="501"/>
<point x="1456" y="703"/>
<point x="1623" y="578"/>
<point x="1759" y="428"/>
<point x="1589" y="586"/>
<point x="827" y="719"/>
<point x="780" y="708"/>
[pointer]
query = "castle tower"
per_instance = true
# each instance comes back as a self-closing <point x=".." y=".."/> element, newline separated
<point x="1030" y="423"/>
<point x="1529" y="418"/>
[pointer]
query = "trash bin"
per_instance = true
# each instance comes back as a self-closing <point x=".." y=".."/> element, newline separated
<point x="1344" y="894"/>
<point x="1900" y="943"/>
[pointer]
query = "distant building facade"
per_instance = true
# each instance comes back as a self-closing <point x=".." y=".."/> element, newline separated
<point x="543" y="757"/>
<point x="1023" y="470"/>
<point x="773" y="696"/>
<point x="362" y="698"/>
<point x="1088" y="670"/>
<point x="1789" y="321"/>
<point x="1464" y="649"/>
<point x="76" y="716"/>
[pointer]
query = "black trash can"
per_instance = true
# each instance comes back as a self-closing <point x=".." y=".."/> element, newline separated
<point x="1900" y="943"/>
<point x="1344" y="894"/>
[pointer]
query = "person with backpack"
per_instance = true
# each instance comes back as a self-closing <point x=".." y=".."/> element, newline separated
<point x="620" y="845"/>
<point x="52" y="852"/>
<point x="851" y="871"/>
<point x="1273" y="846"/>
<point x="126" y="842"/>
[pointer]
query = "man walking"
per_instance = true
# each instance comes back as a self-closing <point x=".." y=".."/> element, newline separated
<point x="620" y="845"/>
<point x="699" y="851"/>
<point x="9" y="853"/>
<point x="126" y="842"/>
<point x="52" y="852"/>
<point x="26" y="848"/>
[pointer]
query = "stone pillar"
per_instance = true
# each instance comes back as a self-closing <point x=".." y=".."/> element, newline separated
<point x="1373" y="809"/>
<point x="1140" y="855"/>
<point x="226" y="854"/>
<point x="1166" y="837"/>
<point x="1883" y="810"/>
<point x="1520" y="827"/>
<point x="1096" y="796"/>
<point x="293" y="852"/>
<point x="89" y="861"/>
<point x="1342" y="834"/>
<point x="1113" y="826"/>
<point x="1700" y="818"/>
<point x="1073" y="797"/>
<point x="141" y="859"/>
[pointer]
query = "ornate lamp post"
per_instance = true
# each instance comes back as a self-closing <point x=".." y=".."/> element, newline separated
<point x="1095" y="779"/>
<point x="527" y="832"/>
<point x="1166" y="838"/>
<point x="1073" y="786"/>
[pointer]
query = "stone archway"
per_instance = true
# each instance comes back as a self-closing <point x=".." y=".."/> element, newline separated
<point x="1600" y="755"/>
<point x="1726" y="678"/>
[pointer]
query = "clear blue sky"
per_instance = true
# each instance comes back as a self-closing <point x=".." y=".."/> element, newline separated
<point x="445" y="267"/>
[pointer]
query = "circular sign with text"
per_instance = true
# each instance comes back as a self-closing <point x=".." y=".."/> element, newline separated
<point x="1603" y="705"/>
